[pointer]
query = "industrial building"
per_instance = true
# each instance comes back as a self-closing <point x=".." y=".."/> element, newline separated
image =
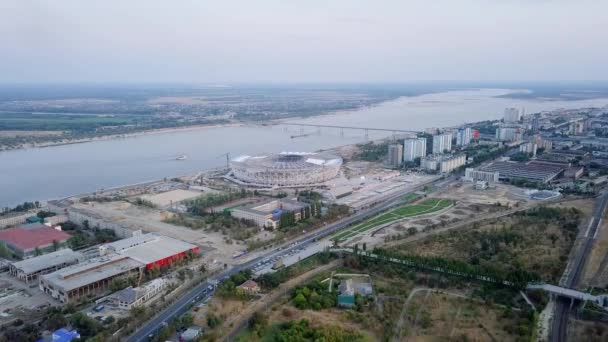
<point x="414" y="148"/>
<point x="134" y="296"/>
<point x="150" y="249"/>
<point x="29" y="269"/>
<point x="286" y="169"/>
<point x="88" y="279"/>
<point x="442" y="143"/>
<point x="464" y="136"/>
<point x="443" y="163"/>
<point x="472" y="175"/>
<point x="13" y="219"/>
<point x="269" y="213"/>
<point x="395" y="155"/>
<point x="30" y="240"/>
<point x="530" y="172"/>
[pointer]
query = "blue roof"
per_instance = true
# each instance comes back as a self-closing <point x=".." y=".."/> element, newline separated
<point x="346" y="300"/>
<point x="64" y="335"/>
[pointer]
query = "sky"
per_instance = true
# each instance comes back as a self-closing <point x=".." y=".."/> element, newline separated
<point x="227" y="41"/>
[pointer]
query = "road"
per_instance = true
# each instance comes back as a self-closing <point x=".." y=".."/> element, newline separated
<point x="204" y="290"/>
<point x="559" y="327"/>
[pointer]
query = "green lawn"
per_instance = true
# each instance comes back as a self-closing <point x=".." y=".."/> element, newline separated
<point x="425" y="207"/>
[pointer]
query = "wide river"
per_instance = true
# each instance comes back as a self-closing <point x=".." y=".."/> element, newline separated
<point x="59" y="171"/>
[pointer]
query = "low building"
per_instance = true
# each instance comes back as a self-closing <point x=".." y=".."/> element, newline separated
<point x="89" y="279"/>
<point x="65" y="335"/>
<point x="481" y="185"/>
<point x="443" y="163"/>
<point x="30" y="240"/>
<point x="268" y="214"/>
<point x="134" y="296"/>
<point x="191" y="334"/>
<point x="574" y="172"/>
<point x="29" y="269"/>
<point x="346" y="298"/>
<point x="150" y="249"/>
<point x="13" y="219"/>
<point x="472" y="175"/>
<point x="250" y="287"/>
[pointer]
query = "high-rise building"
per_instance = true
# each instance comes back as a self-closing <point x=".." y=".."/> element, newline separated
<point x="508" y="134"/>
<point x="395" y="155"/>
<point x="464" y="136"/>
<point x="511" y="115"/>
<point x="576" y="128"/>
<point x="414" y="148"/>
<point x="442" y="143"/>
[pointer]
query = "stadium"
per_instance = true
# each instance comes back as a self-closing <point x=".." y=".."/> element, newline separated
<point x="286" y="169"/>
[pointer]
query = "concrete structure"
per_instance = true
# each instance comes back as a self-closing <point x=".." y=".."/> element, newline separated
<point x="414" y="148"/>
<point x="464" y="136"/>
<point x="472" y="175"/>
<point x="395" y="155"/>
<point x="528" y="148"/>
<point x="30" y="240"/>
<point x="269" y="213"/>
<point x="286" y="169"/>
<point x="481" y="185"/>
<point x="511" y="115"/>
<point x="13" y="219"/>
<point x="29" y="269"/>
<point x="80" y="215"/>
<point x="508" y="133"/>
<point x="150" y="249"/>
<point x="89" y="279"/>
<point x="530" y="172"/>
<point x="576" y="127"/>
<point x="134" y="296"/>
<point x="442" y="143"/>
<point x="191" y="334"/>
<point x="574" y="172"/>
<point x="443" y="163"/>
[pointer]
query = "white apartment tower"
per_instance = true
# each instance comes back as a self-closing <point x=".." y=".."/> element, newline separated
<point x="414" y="148"/>
<point x="511" y="115"/>
<point x="441" y="143"/>
<point x="464" y="136"/>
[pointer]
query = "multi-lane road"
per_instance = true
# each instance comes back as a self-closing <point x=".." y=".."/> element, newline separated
<point x="205" y="289"/>
<point x="559" y="328"/>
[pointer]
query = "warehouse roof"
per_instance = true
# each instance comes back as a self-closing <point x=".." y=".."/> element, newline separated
<point x="149" y="248"/>
<point x="83" y="274"/>
<point x="39" y="263"/>
<point x="533" y="171"/>
<point x="32" y="238"/>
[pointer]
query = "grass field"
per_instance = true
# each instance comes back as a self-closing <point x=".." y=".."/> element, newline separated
<point x="425" y="207"/>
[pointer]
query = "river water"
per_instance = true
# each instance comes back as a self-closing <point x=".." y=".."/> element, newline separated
<point x="59" y="171"/>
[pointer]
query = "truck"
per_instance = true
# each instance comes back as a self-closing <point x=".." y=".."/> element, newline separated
<point x="278" y="265"/>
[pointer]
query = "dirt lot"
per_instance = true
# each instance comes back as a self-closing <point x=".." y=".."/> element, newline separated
<point x="587" y="331"/>
<point x="438" y="316"/>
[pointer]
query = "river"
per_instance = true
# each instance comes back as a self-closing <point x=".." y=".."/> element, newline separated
<point x="59" y="171"/>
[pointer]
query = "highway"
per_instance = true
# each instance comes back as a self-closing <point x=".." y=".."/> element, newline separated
<point x="559" y="327"/>
<point x="205" y="289"/>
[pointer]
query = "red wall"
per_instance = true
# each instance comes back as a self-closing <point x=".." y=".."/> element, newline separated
<point x="168" y="260"/>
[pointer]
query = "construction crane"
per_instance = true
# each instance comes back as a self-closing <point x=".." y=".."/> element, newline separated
<point x="227" y="159"/>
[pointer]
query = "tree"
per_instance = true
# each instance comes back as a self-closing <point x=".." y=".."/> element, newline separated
<point x="300" y="301"/>
<point x="55" y="245"/>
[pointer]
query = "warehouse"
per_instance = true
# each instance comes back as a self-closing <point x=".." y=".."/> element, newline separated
<point x="150" y="249"/>
<point x="531" y="172"/>
<point x="269" y="214"/>
<point x="89" y="279"/>
<point x="30" y="269"/>
<point x="30" y="240"/>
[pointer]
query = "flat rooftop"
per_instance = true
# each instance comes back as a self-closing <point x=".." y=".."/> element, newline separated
<point x="149" y="248"/>
<point x="74" y="277"/>
<point x="31" y="238"/>
<point x="45" y="261"/>
<point x="536" y="171"/>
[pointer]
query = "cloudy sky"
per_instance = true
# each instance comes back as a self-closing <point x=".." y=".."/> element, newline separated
<point x="302" y="40"/>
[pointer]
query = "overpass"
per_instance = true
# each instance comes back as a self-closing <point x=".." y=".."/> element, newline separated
<point x="600" y="300"/>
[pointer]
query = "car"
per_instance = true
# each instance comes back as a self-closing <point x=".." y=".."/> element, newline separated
<point x="210" y="288"/>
